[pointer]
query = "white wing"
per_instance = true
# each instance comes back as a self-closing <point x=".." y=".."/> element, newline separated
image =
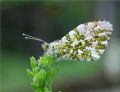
<point x="86" y="42"/>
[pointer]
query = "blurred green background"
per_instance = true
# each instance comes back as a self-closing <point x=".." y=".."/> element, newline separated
<point x="50" y="20"/>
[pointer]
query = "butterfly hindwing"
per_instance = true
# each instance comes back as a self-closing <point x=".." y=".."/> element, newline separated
<point x="86" y="42"/>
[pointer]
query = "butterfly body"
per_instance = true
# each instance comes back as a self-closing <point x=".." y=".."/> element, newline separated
<point x="85" y="42"/>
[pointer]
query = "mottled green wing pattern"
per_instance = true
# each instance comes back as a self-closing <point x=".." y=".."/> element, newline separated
<point x="86" y="42"/>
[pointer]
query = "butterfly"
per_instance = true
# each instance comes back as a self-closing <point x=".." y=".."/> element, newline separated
<point x="86" y="42"/>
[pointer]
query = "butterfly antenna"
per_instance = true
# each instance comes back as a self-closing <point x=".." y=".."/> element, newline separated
<point x="33" y="38"/>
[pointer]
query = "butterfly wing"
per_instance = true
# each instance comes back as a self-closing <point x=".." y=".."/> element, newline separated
<point x="85" y="42"/>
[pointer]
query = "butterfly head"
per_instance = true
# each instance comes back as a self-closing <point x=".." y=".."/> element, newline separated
<point x="45" y="46"/>
<point x="51" y="48"/>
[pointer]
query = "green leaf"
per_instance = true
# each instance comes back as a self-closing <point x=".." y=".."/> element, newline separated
<point x="46" y="90"/>
<point x="30" y="73"/>
<point x="50" y="59"/>
<point x="46" y="61"/>
<point x="33" y="63"/>
<point x="42" y="73"/>
<point x="41" y="76"/>
<point x="33" y="84"/>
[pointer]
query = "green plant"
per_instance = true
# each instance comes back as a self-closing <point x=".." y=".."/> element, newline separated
<point x="42" y="73"/>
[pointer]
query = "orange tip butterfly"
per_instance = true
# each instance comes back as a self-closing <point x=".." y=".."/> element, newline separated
<point x="86" y="42"/>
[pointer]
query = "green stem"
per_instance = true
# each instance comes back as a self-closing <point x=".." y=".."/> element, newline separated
<point x="50" y="86"/>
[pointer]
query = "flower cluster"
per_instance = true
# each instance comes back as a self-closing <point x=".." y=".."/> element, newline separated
<point x="86" y="42"/>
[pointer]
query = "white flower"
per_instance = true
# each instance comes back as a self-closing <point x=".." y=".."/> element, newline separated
<point x="72" y="33"/>
<point x="64" y="39"/>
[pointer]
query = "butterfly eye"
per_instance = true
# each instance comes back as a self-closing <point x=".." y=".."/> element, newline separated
<point x="47" y="46"/>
